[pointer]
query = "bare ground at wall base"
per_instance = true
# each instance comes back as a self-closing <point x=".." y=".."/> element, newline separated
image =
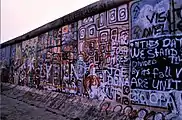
<point x="12" y="109"/>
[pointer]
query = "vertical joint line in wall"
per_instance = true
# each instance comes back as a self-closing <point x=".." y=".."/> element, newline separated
<point x="77" y="38"/>
<point x="173" y="15"/>
<point x="170" y="19"/>
<point x="130" y="4"/>
<point x="60" y="70"/>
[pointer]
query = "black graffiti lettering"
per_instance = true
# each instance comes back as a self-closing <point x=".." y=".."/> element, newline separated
<point x="147" y="32"/>
<point x="151" y="19"/>
<point x="159" y="17"/>
<point x="125" y="101"/>
<point x="154" y="30"/>
<point x="136" y="11"/>
<point x="158" y="29"/>
<point x="126" y="90"/>
<point x="137" y="31"/>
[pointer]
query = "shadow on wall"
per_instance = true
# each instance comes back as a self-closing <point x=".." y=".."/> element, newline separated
<point x="4" y="72"/>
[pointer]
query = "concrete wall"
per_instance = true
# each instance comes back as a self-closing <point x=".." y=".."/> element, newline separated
<point x="129" y="54"/>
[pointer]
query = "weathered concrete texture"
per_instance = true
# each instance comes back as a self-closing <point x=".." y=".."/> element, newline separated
<point x="72" y="107"/>
<point x="60" y="104"/>
<point x="68" y="106"/>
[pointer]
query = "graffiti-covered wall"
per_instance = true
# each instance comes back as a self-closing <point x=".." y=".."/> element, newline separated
<point x="130" y="54"/>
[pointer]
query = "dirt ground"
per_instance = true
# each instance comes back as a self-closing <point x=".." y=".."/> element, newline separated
<point x="12" y="109"/>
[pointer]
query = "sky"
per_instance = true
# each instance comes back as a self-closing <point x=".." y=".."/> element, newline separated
<point x="21" y="16"/>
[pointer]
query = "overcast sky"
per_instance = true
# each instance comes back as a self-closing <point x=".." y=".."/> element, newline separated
<point x="21" y="16"/>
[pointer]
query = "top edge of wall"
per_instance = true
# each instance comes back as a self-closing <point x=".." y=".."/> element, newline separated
<point x="92" y="9"/>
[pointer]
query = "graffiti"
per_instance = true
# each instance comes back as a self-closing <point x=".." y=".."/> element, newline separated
<point x="29" y="48"/>
<point x="129" y="112"/>
<point x="129" y="54"/>
<point x="165" y="50"/>
<point x="154" y="70"/>
<point x="155" y="18"/>
<point x="12" y="61"/>
<point x="70" y="79"/>
<point x="91" y="82"/>
<point x="104" y="46"/>
<point x="5" y="56"/>
<point x="42" y="42"/>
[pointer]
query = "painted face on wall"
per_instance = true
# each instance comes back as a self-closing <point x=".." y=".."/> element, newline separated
<point x="48" y="55"/>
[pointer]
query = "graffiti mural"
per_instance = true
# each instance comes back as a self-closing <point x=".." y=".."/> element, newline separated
<point x="129" y="56"/>
<point x="12" y="63"/>
<point x="155" y="55"/>
<point x="103" y="49"/>
<point x="5" y="56"/>
<point x="49" y="60"/>
<point x="29" y="48"/>
<point x="17" y="63"/>
<point x="5" y="64"/>
<point x="88" y="55"/>
<point x="155" y="18"/>
<point x="69" y="56"/>
<point x="155" y="73"/>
